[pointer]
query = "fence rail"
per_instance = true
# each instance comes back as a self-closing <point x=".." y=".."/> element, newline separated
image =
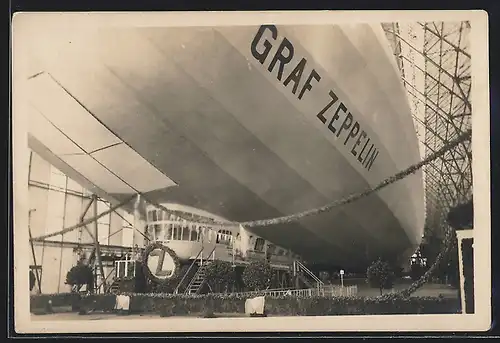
<point x="327" y="291"/>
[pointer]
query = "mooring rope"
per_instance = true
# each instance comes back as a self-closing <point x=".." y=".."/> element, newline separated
<point x="445" y="251"/>
<point x="200" y="220"/>
<point x="344" y="201"/>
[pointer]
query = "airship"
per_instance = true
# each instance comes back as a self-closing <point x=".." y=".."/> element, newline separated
<point x="238" y="122"/>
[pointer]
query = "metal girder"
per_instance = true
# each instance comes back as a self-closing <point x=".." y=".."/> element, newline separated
<point x="434" y="79"/>
<point x="445" y="95"/>
<point x="428" y="127"/>
<point x="443" y="38"/>
<point x="430" y="60"/>
<point x="436" y="108"/>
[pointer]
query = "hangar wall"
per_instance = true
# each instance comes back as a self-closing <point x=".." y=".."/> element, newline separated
<point x="56" y="202"/>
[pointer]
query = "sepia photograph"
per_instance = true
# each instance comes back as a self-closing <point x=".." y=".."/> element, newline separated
<point x="272" y="171"/>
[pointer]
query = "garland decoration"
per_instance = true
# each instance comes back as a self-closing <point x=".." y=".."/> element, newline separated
<point x="406" y="293"/>
<point x="347" y="200"/>
<point x="170" y="252"/>
<point x="83" y="223"/>
<point x="202" y="220"/>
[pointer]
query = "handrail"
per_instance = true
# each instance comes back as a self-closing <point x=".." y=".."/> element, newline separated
<point x="106" y="278"/>
<point x="212" y="253"/>
<point x="311" y="274"/>
<point x="187" y="272"/>
<point x="332" y="291"/>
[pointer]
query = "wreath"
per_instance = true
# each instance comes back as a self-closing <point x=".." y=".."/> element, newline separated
<point x="175" y="258"/>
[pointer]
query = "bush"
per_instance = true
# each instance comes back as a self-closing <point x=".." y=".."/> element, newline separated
<point x="380" y="275"/>
<point x="97" y="302"/>
<point x="258" y="275"/>
<point x="416" y="271"/>
<point x="208" y="308"/>
<point x="207" y="305"/>
<point x="39" y="302"/>
<point x="220" y="275"/>
<point x="79" y="275"/>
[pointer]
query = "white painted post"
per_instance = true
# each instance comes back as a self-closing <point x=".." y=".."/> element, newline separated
<point x="461" y="235"/>
<point x="342" y="278"/>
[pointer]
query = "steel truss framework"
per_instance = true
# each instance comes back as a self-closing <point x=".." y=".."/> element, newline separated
<point x="440" y="104"/>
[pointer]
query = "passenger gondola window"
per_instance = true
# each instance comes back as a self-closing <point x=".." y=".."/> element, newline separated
<point x="176" y="232"/>
<point x="259" y="244"/>
<point x="169" y="232"/>
<point x="157" y="228"/>
<point x="185" y="233"/>
<point x="223" y="237"/>
<point x="194" y="235"/>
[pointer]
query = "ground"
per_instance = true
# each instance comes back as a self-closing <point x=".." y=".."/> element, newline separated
<point x="428" y="290"/>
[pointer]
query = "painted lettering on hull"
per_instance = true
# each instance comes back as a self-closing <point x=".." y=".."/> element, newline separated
<point x="335" y="115"/>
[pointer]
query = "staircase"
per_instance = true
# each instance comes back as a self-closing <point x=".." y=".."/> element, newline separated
<point x="197" y="281"/>
<point x="307" y="276"/>
<point x="305" y="280"/>
<point x="114" y="287"/>
<point x="199" y="278"/>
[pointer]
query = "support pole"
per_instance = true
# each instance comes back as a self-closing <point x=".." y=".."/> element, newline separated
<point x="138" y="226"/>
<point x="96" y="240"/>
<point x="33" y="252"/>
<point x="82" y="218"/>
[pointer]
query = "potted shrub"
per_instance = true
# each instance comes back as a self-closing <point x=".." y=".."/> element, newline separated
<point x="380" y="275"/>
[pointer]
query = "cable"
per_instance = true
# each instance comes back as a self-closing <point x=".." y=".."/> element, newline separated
<point x="83" y="223"/>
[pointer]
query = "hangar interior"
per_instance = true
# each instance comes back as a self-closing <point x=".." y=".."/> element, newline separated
<point x="435" y="64"/>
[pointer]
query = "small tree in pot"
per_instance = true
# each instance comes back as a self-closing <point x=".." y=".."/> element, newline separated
<point x="380" y="275"/>
<point x="80" y="275"/>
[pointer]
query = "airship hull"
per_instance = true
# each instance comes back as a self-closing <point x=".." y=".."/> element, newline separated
<point x="258" y="122"/>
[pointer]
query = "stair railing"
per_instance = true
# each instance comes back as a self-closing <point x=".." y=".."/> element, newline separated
<point x="176" y="290"/>
<point x="301" y="267"/>
<point x="195" y="276"/>
<point x="212" y="254"/>
<point x="103" y="283"/>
